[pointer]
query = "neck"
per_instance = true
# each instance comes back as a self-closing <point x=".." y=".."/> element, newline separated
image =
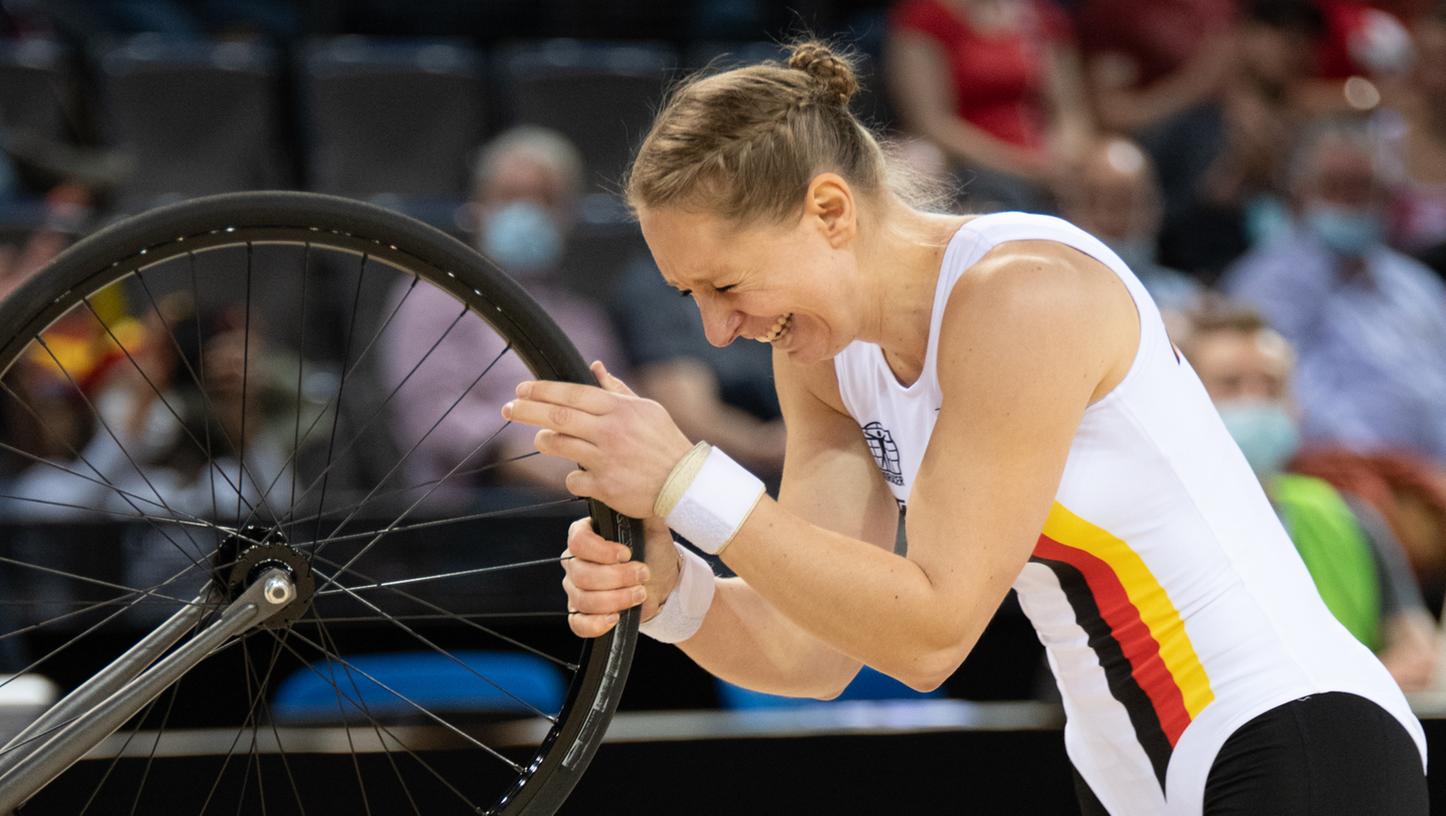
<point x="901" y="269"/>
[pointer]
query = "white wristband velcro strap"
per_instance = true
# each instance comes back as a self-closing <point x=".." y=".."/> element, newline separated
<point x="716" y="503"/>
<point x="682" y="613"/>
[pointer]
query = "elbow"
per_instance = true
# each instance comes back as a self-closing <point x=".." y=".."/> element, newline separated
<point x="926" y="672"/>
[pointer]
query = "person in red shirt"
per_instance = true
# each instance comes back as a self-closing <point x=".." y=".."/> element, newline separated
<point x="995" y="84"/>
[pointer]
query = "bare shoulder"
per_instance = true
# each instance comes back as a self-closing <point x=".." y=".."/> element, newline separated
<point x="1028" y="303"/>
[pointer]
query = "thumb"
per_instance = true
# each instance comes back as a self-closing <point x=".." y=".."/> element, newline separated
<point x="606" y="379"/>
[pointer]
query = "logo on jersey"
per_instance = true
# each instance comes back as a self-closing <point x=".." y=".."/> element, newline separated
<point x="886" y="453"/>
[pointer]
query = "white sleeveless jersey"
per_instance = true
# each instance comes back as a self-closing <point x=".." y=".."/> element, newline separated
<point x="1172" y="606"/>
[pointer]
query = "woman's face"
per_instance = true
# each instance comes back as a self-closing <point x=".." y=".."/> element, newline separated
<point x="788" y="284"/>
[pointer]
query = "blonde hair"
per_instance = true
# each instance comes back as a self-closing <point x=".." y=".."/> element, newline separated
<point x="746" y="143"/>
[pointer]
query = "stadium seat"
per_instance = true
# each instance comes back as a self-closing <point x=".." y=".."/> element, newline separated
<point x="391" y="116"/>
<point x="602" y="96"/>
<point x="722" y="55"/>
<point x="869" y="685"/>
<point x="35" y="88"/>
<point x="197" y="117"/>
<point x="519" y="683"/>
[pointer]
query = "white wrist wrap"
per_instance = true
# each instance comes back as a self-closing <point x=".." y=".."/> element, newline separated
<point x="716" y="503"/>
<point x="682" y="613"/>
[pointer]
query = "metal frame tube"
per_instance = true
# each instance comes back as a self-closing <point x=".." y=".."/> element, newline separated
<point x="108" y="680"/>
<point x="38" y="767"/>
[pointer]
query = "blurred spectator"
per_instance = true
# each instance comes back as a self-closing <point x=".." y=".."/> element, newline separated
<point x="524" y="197"/>
<point x="1368" y="322"/>
<point x="1220" y="163"/>
<point x="1149" y="60"/>
<point x="1358" y="566"/>
<point x="996" y="84"/>
<point x="124" y="434"/>
<point x="1416" y="137"/>
<point x="1116" y="198"/>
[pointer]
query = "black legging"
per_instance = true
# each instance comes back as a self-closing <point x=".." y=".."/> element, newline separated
<point x="1331" y="754"/>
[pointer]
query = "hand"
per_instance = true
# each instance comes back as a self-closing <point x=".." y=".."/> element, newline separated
<point x="626" y="445"/>
<point x="601" y="579"/>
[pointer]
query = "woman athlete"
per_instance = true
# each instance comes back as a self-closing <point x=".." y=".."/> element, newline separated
<point x="1007" y="380"/>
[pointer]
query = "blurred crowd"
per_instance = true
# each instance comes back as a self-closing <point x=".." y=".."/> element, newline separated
<point x="1273" y="170"/>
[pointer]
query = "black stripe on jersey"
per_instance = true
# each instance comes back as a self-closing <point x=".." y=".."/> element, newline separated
<point x="1118" y="675"/>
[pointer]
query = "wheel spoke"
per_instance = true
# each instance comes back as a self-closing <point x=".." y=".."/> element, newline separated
<point x="366" y="424"/>
<point x="421" y="709"/>
<point x="422" y="525"/>
<point x="204" y="448"/>
<point x="449" y="656"/>
<point x="326" y="638"/>
<point x="115" y="760"/>
<point x="352" y="590"/>
<point x="114" y="438"/>
<point x="151" y="757"/>
<point x="305" y="435"/>
<point x="454" y="616"/>
<point x="341" y="386"/>
<point x="398" y="740"/>
<point x="409" y="488"/>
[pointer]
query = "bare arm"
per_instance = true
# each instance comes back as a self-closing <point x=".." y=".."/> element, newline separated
<point x="1029" y="341"/>
<point x="1122" y="107"/>
<point x="1071" y="126"/>
<point x="1032" y="336"/>
<point x="919" y="85"/>
<point x="829" y="480"/>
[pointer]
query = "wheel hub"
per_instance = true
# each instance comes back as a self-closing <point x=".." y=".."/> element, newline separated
<point x="242" y="558"/>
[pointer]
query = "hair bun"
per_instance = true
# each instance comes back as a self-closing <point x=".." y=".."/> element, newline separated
<point x="832" y="72"/>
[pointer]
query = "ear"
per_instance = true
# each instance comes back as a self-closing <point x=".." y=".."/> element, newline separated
<point x="830" y="204"/>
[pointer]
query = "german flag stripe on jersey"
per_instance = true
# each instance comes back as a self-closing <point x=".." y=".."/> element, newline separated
<point x="1149" y="663"/>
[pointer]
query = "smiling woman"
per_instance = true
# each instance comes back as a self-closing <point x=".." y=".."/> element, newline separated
<point x="1007" y="380"/>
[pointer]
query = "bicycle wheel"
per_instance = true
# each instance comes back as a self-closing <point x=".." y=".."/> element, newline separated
<point x="313" y="384"/>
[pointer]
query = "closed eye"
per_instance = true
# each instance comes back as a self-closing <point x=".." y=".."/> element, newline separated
<point x="726" y="288"/>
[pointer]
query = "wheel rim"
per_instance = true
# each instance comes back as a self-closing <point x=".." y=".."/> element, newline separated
<point x="327" y="521"/>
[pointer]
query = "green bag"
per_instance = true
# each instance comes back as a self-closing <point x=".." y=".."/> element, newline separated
<point x="1335" y="550"/>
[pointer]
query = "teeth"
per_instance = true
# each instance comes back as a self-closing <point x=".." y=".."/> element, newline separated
<point x="779" y="327"/>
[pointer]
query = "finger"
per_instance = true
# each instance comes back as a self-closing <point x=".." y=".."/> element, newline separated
<point x="591" y="626"/>
<point x="607" y="602"/>
<point x="586" y="398"/>
<point x="594" y="577"/>
<point x="562" y="418"/>
<point x="567" y="447"/>
<point x="606" y="379"/>
<point x="586" y="545"/>
<point x="582" y="484"/>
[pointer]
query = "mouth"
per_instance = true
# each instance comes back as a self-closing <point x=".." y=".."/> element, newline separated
<point x="780" y="328"/>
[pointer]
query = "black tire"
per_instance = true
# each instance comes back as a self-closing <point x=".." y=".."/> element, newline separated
<point x="287" y="218"/>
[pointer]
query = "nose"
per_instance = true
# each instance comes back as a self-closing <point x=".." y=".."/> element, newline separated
<point x="720" y="324"/>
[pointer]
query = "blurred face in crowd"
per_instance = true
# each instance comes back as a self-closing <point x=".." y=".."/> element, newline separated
<point x="1341" y="198"/>
<point x="1116" y="200"/>
<point x="1276" y="57"/>
<point x="524" y="212"/>
<point x="1247" y="375"/>
<point x="1431" y="56"/>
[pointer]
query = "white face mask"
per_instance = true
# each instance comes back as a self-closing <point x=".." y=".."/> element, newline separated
<point x="1265" y="431"/>
<point x="1345" y="231"/>
<point x="522" y="238"/>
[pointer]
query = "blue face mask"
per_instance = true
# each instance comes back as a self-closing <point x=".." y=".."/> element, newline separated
<point x="1345" y="231"/>
<point x="522" y="239"/>
<point x="1265" y="432"/>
